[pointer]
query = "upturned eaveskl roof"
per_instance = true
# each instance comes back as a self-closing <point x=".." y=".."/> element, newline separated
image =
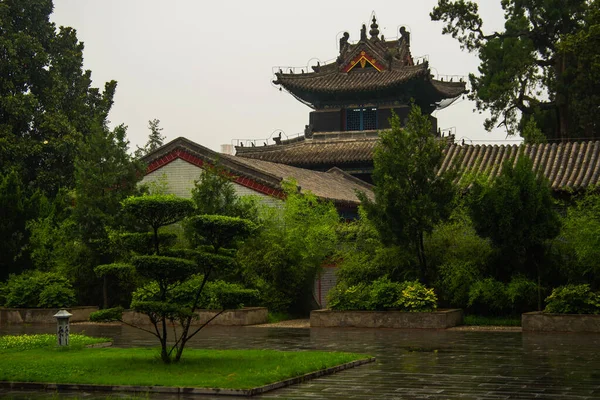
<point x="371" y="70"/>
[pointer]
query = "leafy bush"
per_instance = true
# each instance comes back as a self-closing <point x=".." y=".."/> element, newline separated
<point x="455" y="280"/>
<point x="573" y="299"/>
<point x="25" y="290"/>
<point x="343" y="297"/>
<point x="488" y="296"/>
<point x="522" y="294"/>
<point x="383" y="294"/>
<point x="56" y="295"/>
<point x="107" y="315"/>
<point x="415" y="297"/>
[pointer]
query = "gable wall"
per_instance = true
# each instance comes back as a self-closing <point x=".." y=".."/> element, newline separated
<point x="181" y="175"/>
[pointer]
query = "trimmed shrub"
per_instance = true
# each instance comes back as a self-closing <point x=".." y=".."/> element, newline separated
<point x="573" y="299"/>
<point x="383" y="294"/>
<point x="216" y="295"/>
<point x="415" y="297"/>
<point x="355" y="297"/>
<point x="107" y="315"/>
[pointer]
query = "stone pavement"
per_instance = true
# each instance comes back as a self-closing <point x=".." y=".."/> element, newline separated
<point x="410" y="364"/>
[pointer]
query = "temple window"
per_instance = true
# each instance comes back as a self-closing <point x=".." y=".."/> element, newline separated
<point x="361" y="119"/>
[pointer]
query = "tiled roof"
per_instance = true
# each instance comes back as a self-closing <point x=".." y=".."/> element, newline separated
<point x="364" y="81"/>
<point x="314" y="152"/>
<point x="335" y="184"/>
<point x="568" y="166"/>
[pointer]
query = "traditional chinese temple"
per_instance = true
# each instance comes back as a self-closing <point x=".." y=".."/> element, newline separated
<point x="352" y="98"/>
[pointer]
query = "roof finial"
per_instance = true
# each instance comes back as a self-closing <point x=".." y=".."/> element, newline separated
<point x="374" y="32"/>
<point x="363" y="32"/>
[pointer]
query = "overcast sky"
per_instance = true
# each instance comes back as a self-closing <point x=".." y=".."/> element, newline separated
<point x="204" y="68"/>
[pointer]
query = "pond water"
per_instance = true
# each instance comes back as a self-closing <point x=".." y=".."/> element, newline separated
<point x="411" y="364"/>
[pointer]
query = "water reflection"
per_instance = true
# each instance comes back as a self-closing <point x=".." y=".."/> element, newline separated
<point x="410" y="364"/>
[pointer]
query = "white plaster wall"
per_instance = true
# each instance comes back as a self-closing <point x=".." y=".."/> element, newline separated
<point x="181" y="175"/>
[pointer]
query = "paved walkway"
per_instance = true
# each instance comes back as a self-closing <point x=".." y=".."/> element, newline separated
<point x="410" y="364"/>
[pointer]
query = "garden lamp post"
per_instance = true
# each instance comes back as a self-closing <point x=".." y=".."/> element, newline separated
<point x="62" y="328"/>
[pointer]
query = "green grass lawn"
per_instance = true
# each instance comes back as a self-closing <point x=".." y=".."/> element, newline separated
<point x="228" y="369"/>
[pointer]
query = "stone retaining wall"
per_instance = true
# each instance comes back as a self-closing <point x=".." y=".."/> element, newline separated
<point x="440" y="319"/>
<point x="539" y="321"/>
<point x="241" y="317"/>
<point x="42" y="315"/>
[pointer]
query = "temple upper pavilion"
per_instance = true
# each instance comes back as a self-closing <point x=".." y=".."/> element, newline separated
<point x="352" y="98"/>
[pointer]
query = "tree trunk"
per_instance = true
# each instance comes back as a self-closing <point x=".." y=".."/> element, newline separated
<point x="155" y="240"/>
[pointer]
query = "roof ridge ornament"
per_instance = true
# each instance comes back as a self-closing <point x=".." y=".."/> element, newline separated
<point x="374" y="32"/>
<point x="344" y="45"/>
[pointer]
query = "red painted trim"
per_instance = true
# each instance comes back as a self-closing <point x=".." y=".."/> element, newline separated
<point x="192" y="159"/>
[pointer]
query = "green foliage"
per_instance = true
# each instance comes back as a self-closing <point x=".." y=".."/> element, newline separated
<point x="219" y="230"/>
<point x="28" y="342"/>
<point x="542" y="64"/>
<point x="459" y="255"/>
<point x="580" y="238"/>
<point x="173" y="291"/>
<point x="105" y="174"/>
<point x="214" y="194"/>
<point x="531" y="133"/>
<point x="383" y="294"/>
<point x="410" y="196"/>
<point x="158" y="210"/>
<point x="582" y="72"/>
<point x="455" y="280"/>
<point x="573" y="299"/>
<point x="16" y="208"/>
<point x="46" y="98"/>
<point x="26" y="289"/>
<point x="356" y="297"/>
<point x="155" y="139"/>
<point x="283" y="258"/>
<point x="522" y="294"/>
<point x="56" y="295"/>
<point x="165" y="270"/>
<point x="364" y="258"/>
<point x="141" y="242"/>
<point x="488" y="296"/>
<point x="516" y="213"/>
<point x="123" y="271"/>
<point x="107" y="315"/>
<point x="415" y="297"/>
<point x="216" y="295"/>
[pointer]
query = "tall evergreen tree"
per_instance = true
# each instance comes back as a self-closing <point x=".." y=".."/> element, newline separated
<point x="47" y="104"/>
<point x="410" y="196"/>
<point x="155" y="139"/>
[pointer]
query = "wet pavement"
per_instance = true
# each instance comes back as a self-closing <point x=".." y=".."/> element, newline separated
<point x="410" y="364"/>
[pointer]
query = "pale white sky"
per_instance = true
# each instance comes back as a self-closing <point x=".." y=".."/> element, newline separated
<point x="204" y="68"/>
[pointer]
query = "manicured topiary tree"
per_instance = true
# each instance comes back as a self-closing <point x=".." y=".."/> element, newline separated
<point x="176" y="281"/>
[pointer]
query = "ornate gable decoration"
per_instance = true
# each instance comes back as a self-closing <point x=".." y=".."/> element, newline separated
<point x="362" y="60"/>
